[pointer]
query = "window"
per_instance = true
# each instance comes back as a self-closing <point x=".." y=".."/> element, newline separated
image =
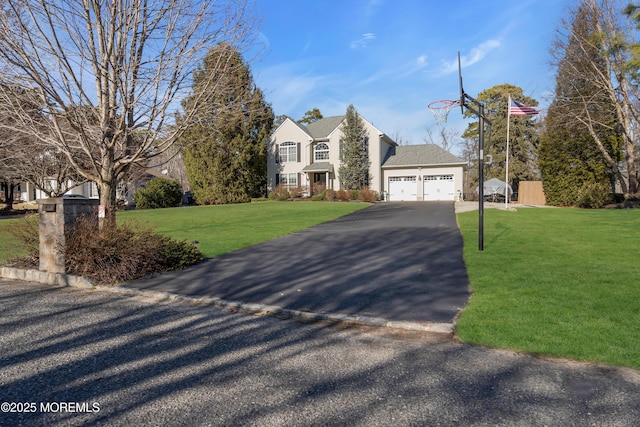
<point x="92" y="190"/>
<point x="288" y="180"/>
<point x="288" y="152"/>
<point x="321" y="152"/>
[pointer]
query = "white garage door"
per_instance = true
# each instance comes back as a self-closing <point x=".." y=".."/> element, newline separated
<point x="439" y="187"/>
<point x="402" y="188"/>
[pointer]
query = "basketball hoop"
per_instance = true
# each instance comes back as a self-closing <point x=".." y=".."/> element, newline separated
<point x="440" y="109"/>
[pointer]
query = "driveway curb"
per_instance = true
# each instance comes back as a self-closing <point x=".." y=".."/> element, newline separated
<point x="271" y="310"/>
<point x="65" y="280"/>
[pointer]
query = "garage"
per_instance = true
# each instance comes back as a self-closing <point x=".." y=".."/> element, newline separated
<point x="438" y="187"/>
<point x="402" y="188"/>
<point x="422" y="172"/>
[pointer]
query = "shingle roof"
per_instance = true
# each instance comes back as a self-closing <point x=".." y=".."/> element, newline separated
<point x="419" y="155"/>
<point x="323" y="127"/>
<point x="318" y="167"/>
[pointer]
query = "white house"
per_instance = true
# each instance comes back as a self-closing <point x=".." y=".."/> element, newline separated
<point x="301" y="156"/>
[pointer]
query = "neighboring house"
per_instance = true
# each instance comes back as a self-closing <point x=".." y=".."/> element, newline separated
<point x="301" y="156"/>
<point x="27" y="192"/>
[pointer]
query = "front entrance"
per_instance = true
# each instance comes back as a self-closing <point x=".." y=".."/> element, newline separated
<point x="320" y="178"/>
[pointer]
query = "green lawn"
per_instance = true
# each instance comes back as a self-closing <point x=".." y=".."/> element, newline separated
<point x="225" y="228"/>
<point x="9" y="248"/>
<point x="560" y="282"/>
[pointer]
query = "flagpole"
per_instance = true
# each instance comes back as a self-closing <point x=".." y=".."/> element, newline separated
<point x="506" y="180"/>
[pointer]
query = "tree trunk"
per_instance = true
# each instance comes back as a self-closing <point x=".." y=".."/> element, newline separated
<point x="8" y="195"/>
<point x="107" y="191"/>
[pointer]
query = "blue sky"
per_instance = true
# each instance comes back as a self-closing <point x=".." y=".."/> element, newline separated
<point x="391" y="58"/>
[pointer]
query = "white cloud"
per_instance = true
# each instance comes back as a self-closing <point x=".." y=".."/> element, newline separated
<point x="475" y="55"/>
<point x="401" y="71"/>
<point x="363" y="42"/>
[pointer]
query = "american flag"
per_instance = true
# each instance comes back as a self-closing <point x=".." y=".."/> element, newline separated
<point x="518" y="109"/>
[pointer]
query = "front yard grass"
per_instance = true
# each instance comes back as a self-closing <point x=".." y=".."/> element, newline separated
<point x="225" y="228"/>
<point x="559" y="282"/>
<point x="9" y="247"/>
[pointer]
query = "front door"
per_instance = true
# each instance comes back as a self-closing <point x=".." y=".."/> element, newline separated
<point x="320" y="178"/>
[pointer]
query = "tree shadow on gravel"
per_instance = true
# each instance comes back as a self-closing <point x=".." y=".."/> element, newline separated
<point x="150" y="362"/>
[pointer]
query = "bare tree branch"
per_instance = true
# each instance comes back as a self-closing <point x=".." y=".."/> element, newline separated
<point x="110" y="75"/>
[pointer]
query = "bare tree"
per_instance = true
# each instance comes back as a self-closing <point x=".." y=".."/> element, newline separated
<point x="44" y="167"/>
<point x="109" y="76"/>
<point x="612" y="85"/>
<point x="447" y="138"/>
<point x="398" y="137"/>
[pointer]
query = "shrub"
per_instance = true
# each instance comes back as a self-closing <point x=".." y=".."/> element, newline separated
<point x="124" y="252"/>
<point x="316" y="198"/>
<point x="274" y="195"/>
<point x="279" y="193"/>
<point x="355" y="194"/>
<point x="159" y="193"/>
<point x="343" y="195"/>
<point x="317" y="189"/>
<point x="594" y="195"/>
<point x="368" y="195"/>
<point x="296" y="192"/>
<point x="329" y="195"/>
<point x="179" y="254"/>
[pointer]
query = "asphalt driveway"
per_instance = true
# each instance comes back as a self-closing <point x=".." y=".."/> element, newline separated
<point x="396" y="261"/>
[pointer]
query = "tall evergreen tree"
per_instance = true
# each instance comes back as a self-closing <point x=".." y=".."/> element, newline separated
<point x="571" y="164"/>
<point x="523" y="136"/>
<point x="354" y="170"/>
<point x="227" y="163"/>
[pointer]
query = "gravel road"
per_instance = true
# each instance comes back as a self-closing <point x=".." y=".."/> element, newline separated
<point x="84" y="357"/>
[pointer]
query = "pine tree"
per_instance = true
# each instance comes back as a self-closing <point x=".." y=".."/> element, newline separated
<point x="354" y="170"/>
<point x="572" y="166"/>
<point x="227" y="162"/>
<point x="311" y="116"/>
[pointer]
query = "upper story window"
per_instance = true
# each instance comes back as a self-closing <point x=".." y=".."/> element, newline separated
<point x="288" y="152"/>
<point x="321" y="152"/>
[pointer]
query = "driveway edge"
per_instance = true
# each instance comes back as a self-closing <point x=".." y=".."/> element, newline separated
<point x="61" y="279"/>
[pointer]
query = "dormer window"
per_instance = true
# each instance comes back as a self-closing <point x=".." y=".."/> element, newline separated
<point x="321" y="152"/>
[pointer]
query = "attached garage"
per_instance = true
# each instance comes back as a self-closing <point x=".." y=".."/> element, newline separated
<point x="403" y="188"/>
<point x="422" y="172"/>
<point x="438" y="187"/>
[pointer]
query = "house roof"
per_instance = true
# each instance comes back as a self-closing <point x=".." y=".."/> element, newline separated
<point x="318" y="167"/>
<point x="419" y="155"/>
<point x="323" y="127"/>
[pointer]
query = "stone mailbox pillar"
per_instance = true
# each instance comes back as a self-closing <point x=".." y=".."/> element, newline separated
<point x="56" y="216"/>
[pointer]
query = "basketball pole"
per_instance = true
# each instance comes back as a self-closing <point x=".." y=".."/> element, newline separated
<point x="469" y="102"/>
